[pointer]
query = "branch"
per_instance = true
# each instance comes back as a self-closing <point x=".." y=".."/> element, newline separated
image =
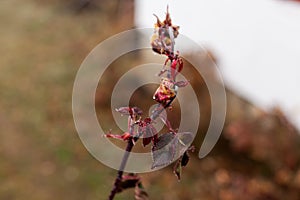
<point x="164" y="96"/>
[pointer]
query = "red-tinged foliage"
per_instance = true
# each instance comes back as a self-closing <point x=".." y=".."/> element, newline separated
<point x="186" y="156"/>
<point x="165" y="92"/>
<point x="182" y="162"/>
<point x="162" y="41"/>
<point x="177" y="169"/>
<point x="167" y="146"/>
<point x="147" y="131"/>
<point x="176" y="65"/>
<point x="170" y="145"/>
<point x="133" y="181"/>
<point x="163" y="152"/>
<point x="131" y="111"/>
<point x="140" y="193"/>
<point x="128" y="181"/>
<point x="125" y="136"/>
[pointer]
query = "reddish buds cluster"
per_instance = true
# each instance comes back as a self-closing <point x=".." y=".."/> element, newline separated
<point x="166" y="91"/>
<point x="162" y="40"/>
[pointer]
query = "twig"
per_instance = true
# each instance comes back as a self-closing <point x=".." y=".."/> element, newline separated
<point x="118" y="180"/>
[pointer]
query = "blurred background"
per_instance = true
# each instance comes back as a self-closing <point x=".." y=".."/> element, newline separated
<point x="255" y="45"/>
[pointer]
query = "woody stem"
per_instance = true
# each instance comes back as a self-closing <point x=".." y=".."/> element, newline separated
<point x="121" y="170"/>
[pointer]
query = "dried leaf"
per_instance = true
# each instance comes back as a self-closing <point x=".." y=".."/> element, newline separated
<point x="182" y="162"/>
<point x="128" y="181"/>
<point x="185" y="139"/>
<point x="146" y="141"/>
<point x="165" y="92"/>
<point x="168" y="146"/>
<point x="164" y="151"/>
<point x="177" y="169"/>
<point x="164" y="140"/>
<point x="185" y="159"/>
<point x="140" y="193"/>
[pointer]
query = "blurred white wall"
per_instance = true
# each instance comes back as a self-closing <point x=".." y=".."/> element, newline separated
<point x="257" y="43"/>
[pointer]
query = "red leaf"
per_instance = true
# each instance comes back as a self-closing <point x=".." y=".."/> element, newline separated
<point x="146" y="141"/>
<point x="125" y="136"/>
